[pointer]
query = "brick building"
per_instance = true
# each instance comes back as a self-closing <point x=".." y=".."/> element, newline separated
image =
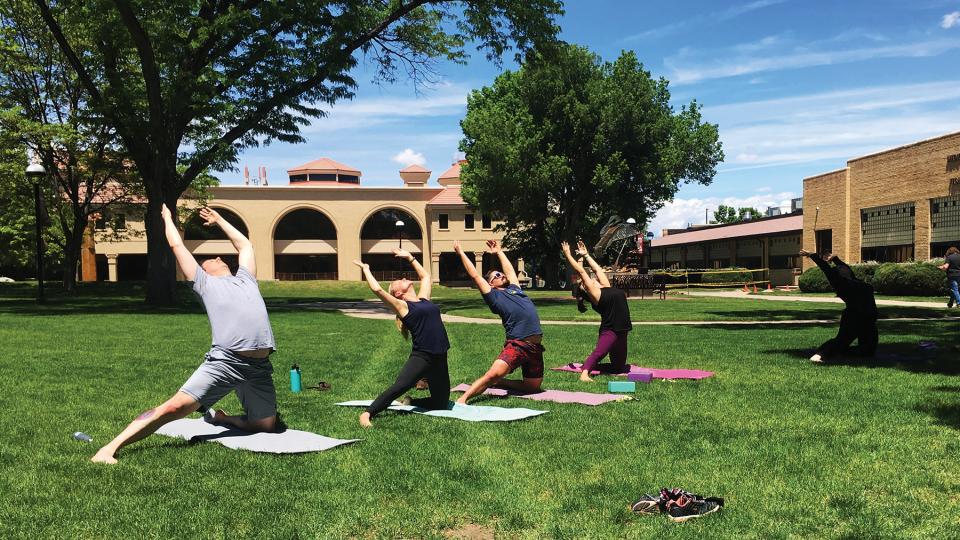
<point x="891" y="206"/>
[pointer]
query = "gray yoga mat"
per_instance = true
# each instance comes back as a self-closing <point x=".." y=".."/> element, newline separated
<point x="291" y="441"/>
<point x="470" y="413"/>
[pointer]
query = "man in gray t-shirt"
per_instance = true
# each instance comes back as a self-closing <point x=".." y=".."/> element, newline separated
<point x="238" y="359"/>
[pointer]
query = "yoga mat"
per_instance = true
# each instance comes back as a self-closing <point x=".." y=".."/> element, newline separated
<point x="657" y="373"/>
<point x="291" y="441"/>
<point x="556" y="396"/>
<point x="470" y="413"/>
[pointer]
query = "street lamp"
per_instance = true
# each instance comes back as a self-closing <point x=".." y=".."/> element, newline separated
<point x="399" y="224"/>
<point x="35" y="172"/>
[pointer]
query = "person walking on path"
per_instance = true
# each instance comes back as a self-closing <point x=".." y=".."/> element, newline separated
<point x="417" y="316"/>
<point x="523" y="347"/>
<point x="859" y="318"/>
<point x="611" y="303"/>
<point x="238" y="359"/>
<point x="952" y="266"/>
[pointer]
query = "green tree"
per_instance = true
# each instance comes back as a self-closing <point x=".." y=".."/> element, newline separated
<point x="725" y="214"/>
<point x="561" y="145"/>
<point x="43" y="108"/>
<point x="192" y="82"/>
<point x="729" y="214"/>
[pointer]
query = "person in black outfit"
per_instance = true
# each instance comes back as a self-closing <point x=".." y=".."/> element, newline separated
<point x="611" y="303"/>
<point x="951" y="264"/>
<point x="859" y="318"/>
<point x="418" y="316"/>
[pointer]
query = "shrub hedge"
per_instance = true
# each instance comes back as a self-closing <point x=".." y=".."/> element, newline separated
<point x="913" y="278"/>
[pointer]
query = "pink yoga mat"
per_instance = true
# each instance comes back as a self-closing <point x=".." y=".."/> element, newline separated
<point x="557" y="396"/>
<point x="657" y="373"/>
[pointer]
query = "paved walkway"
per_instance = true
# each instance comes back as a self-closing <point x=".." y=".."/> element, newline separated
<point x="821" y="299"/>
<point x="376" y="310"/>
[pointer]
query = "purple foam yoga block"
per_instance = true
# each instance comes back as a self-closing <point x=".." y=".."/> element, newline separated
<point x="643" y="377"/>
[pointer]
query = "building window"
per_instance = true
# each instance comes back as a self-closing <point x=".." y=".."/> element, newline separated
<point x="443" y="221"/>
<point x="298" y="178"/>
<point x="485" y="222"/>
<point x="468" y="223"/>
<point x="824" y="241"/>
<point x="101" y="223"/>
<point x="887" y="233"/>
<point x="944" y="224"/>
<point x="120" y="222"/>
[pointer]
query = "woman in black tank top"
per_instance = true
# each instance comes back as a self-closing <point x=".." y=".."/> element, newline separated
<point x="419" y="317"/>
<point x="611" y="303"/>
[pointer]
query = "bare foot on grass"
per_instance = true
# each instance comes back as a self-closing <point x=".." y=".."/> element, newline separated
<point x="585" y="376"/>
<point x="365" y="420"/>
<point x="461" y="401"/>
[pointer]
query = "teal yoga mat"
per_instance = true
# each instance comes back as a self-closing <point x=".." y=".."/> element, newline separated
<point x="470" y="413"/>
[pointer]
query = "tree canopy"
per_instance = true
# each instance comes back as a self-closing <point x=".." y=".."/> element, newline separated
<point x="567" y="141"/>
<point x="187" y="84"/>
<point x="729" y="214"/>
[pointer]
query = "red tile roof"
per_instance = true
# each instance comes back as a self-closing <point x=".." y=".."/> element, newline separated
<point x="452" y="172"/>
<point x="323" y="165"/>
<point x="414" y="168"/>
<point x="788" y="223"/>
<point x="448" y="197"/>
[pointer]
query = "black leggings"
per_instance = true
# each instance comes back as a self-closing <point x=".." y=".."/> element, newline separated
<point x="853" y="326"/>
<point x="420" y="363"/>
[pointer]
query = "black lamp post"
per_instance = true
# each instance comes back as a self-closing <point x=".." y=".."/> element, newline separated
<point x="35" y="172"/>
<point x="399" y="224"/>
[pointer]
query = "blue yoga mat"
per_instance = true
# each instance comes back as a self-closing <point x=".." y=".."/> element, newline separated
<point x="470" y="413"/>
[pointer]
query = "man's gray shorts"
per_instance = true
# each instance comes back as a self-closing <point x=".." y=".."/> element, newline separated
<point x="223" y="371"/>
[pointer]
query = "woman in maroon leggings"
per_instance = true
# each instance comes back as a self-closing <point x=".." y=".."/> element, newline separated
<point x="611" y="303"/>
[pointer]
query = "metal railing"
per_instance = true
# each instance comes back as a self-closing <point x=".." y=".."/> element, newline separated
<point x="305" y="276"/>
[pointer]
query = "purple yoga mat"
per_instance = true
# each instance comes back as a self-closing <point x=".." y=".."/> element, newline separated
<point x="557" y="396"/>
<point x="657" y="373"/>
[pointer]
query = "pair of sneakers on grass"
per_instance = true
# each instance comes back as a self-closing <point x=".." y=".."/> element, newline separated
<point x="677" y="504"/>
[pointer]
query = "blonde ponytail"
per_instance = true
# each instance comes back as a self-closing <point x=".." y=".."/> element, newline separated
<point x="402" y="329"/>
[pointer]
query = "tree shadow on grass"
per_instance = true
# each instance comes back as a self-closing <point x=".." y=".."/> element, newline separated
<point x="946" y="409"/>
<point x="826" y="314"/>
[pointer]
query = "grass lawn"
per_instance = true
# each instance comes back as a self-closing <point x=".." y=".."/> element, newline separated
<point x="798" y="450"/>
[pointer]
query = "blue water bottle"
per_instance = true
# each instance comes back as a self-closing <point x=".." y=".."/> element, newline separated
<point x="295" y="385"/>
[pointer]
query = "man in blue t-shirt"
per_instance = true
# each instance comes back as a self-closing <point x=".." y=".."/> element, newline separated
<point x="238" y="359"/>
<point x="502" y="293"/>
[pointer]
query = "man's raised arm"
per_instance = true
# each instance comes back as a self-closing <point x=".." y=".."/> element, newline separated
<point x="504" y="262"/>
<point x="240" y="242"/>
<point x="471" y="269"/>
<point x="188" y="265"/>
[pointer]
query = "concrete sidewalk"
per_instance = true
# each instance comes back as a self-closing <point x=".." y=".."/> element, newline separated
<point x="821" y="299"/>
<point x="376" y="310"/>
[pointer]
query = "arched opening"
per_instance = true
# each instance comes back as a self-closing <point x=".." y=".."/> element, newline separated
<point x="305" y="246"/>
<point x="211" y="242"/>
<point x="381" y="234"/>
<point x="194" y="229"/>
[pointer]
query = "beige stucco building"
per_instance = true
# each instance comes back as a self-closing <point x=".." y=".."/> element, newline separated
<point x="316" y="224"/>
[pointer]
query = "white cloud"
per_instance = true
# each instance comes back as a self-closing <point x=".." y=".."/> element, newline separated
<point x="447" y="99"/>
<point x="727" y="14"/>
<point x="409" y="157"/>
<point x="685" y="67"/>
<point x="680" y="212"/>
<point x="833" y="125"/>
<point x="950" y="20"/>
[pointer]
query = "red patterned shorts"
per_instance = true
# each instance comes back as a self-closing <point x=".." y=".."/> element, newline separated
<point x="525" y="355"/>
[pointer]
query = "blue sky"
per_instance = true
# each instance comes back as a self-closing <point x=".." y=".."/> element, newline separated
<point x="796" y="87"/>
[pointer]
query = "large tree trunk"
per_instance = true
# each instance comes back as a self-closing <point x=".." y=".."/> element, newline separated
<point x="161" y="264"/>
<point x="71" y="255"/>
